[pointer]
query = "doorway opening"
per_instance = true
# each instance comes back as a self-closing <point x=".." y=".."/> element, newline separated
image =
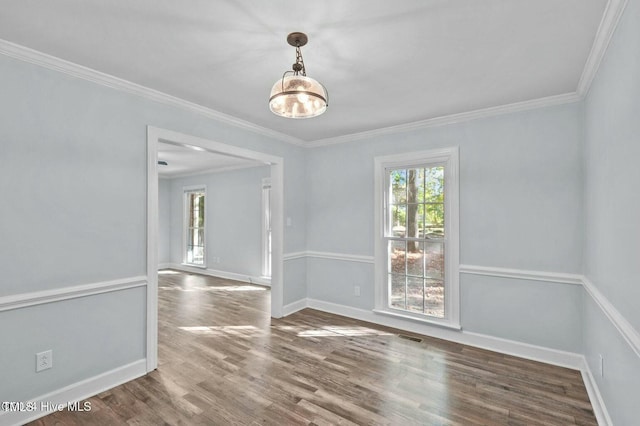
<point x="276" y="164"/>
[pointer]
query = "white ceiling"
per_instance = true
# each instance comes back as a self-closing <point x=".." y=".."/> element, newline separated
<point x="186" y="161"/>
<point x="385" y="63"/>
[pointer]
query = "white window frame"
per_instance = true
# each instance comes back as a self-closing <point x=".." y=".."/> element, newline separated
<point x="186" y="190"/>
<point x="266" y="228"/>
<point x="449" y="157"/>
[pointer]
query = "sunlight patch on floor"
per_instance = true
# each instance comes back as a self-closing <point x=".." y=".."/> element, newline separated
<point x="168" y="272"/>
<point x="225" y="330"/>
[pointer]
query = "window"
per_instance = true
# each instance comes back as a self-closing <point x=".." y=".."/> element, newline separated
<point x="266" y="227"/>
<point x="417" y="249"/>
<point x="194" y="226"/>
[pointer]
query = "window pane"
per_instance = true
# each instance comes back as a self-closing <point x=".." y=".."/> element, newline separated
<point x="198" y="255"/>
<point x="398" y="220"/>
<point x="397" y="296"/>
<point x="434" y="184"/>
<point x="435" y="214"/>
<point x="398" y="187"/>
<point x="199" y="237"/>
<point x="397" y="250"/>
<point x="414" y="220"/>
<point x="415" y="294"/>
<point x="414" y="179"/>
<point x="190" y="209"/>
<point x="434" y="298"/>
<point x="200" y="210"/>
<point x="420" y="185"/>
<point x="434" y="259"/>
<point x="415" y="258"/>
<point x="421" y="224"/>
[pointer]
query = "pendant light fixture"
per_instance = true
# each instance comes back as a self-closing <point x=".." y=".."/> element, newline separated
<point x="296" y="95"/>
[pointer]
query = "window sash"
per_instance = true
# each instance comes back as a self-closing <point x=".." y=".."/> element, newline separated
<point x="266" y="228"/>
<point x="418" y="281"/>
<point x="447" y="158"/>
<point x="194" y="226"/>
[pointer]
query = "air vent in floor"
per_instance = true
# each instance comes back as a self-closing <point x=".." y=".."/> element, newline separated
<point x="413" y="339"/>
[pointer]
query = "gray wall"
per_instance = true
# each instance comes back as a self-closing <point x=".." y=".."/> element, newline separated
<point x="612" y="215"/>
<point x="233" y="219"/>
<point x="520" y="207"/>
<point x="73" y="185"/>
<point x="164" y="221"/>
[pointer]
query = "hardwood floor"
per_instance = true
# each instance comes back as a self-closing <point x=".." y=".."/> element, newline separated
<point x="223" y="360"/>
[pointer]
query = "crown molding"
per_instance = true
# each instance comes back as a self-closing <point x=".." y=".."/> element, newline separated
<point x="452" y="119"/>
<point x="608" y="24"/>
<point x="610" y="18"/>
<point x="26" y="54"/>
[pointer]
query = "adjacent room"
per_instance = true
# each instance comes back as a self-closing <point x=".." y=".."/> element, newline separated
<point x="362" y="212"/>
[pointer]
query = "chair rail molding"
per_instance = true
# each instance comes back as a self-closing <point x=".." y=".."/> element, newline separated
<point x="522" y="274"/>
<point x="34" y="298"/>
<point x="624" y="327"/>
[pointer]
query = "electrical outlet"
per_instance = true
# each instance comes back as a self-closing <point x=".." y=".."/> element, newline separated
<point x="601" y="365"/>
<point x="356" y="290"/>
<point x="44" y="360"/>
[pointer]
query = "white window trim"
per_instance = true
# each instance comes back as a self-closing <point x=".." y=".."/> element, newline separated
<point x="266" y="261"/>
<point x="185" y="224"/>
<point x="450" y="158"/>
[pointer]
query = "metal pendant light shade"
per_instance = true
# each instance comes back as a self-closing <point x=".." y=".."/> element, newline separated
<point x="296" y="95"/>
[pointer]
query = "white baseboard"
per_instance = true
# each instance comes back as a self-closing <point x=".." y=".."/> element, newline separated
<point x="597" y="402"/>
<point x="164" y="266"/>
<point x="75" y="392"/>
<point x="510" y="347"/>
<point x="294" y="307"/>
<point x="219" y="274"/>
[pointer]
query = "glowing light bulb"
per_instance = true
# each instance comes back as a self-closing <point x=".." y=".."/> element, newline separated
<point x="302" y="97"/>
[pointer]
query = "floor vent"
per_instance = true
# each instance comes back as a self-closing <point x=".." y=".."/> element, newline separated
<point x="413" y="339"/>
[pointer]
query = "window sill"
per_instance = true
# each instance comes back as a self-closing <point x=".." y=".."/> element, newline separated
<point x="394" y="314"/>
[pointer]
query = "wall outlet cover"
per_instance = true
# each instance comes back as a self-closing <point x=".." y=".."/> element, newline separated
<point x="44" y="360"/>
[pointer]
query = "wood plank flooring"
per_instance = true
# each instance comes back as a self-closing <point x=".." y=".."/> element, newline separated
<point x="224" y="361"/>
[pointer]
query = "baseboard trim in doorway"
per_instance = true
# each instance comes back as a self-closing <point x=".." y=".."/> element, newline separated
<point x="597" y="402"/>
<point x="77" y="392"/>
<point x="294" y="307"/>
<point x="218" y="274"/>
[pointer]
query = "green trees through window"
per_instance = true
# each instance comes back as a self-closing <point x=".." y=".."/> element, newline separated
<point x="195" y="202"/>
<point x="416" y="238"/>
